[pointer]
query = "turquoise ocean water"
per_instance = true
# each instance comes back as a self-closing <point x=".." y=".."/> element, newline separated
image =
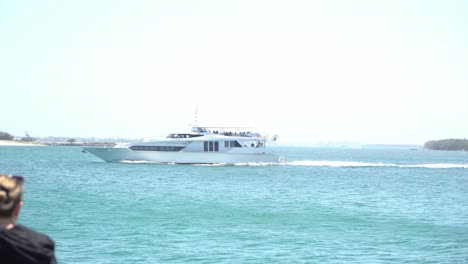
<point x="370" y="205"/>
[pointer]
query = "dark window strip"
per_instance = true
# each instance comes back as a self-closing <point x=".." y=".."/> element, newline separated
<point x="156" y="148"/>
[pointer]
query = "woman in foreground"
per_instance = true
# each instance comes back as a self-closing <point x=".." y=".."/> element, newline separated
<point x="18" y="243"/>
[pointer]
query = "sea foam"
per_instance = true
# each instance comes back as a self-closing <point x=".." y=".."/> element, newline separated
<point x="327" y="163"/>
<point x="324" y="163"/>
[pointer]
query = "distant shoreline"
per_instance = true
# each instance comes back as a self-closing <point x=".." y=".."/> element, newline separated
<point x="452" y="144"/>
<point x="18" y="143"/>
<point x="35" y="144"/>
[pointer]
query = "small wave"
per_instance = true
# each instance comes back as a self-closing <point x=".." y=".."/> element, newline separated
<point x="138" y="162"/>
<point x="437" y="166"/>
<point x="256" y="164"/>
<point x="326" y="163"/>
<point x="252" y="164"/>
<point x="211" y="164"/>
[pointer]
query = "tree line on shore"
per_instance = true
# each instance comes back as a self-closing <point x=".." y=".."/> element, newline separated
<point x="447" y="144"/>
<point x="8" y="136"/>
<point x="72" y="141"/>
<point x="5" y="136"/>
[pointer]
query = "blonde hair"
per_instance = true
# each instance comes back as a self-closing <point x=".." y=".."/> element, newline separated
<point x="10" y="195"/>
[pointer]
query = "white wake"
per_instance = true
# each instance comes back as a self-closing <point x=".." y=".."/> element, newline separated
<point x="327" y="163"/>
<point x="323" y="163"/>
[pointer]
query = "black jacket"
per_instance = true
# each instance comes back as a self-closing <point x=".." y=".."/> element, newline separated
<point x="26" y="246"/>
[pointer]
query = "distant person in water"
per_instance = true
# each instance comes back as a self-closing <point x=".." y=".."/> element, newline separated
<point x="18" y="243"/>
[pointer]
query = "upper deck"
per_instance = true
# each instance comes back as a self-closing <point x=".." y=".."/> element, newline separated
<point x="226" y="131"/>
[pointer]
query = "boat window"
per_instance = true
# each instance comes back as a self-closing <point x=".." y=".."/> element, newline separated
<point x="232" y="144"/>
<point x="211" y="146"/>
<point x="156" y="148"/>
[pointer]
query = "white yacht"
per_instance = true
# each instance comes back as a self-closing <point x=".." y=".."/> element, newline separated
<point x="202" y="145"/>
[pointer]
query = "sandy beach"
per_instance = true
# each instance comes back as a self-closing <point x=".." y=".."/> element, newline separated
<point x="17" y="143"/>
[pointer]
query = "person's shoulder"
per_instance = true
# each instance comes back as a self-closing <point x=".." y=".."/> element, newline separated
<point x="22" y="244"/>
<point x="32" y="234"/>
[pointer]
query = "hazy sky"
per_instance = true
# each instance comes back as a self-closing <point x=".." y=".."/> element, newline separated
<point x="328" y="70"/>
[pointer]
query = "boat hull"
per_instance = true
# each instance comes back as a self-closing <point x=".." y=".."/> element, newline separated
<point x="180" y="157"/>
